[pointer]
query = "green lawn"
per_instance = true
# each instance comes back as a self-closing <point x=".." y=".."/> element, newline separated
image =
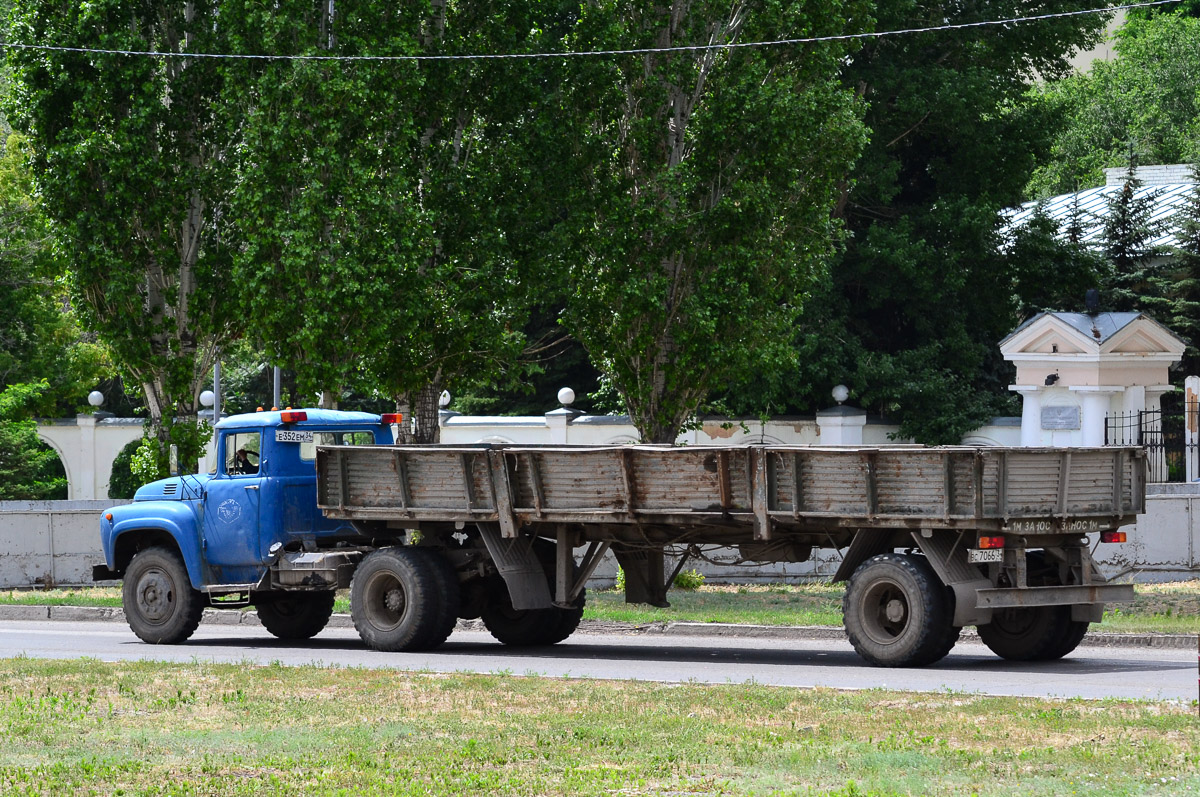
<point x="88" y="727"/>
<point x="1164" y="608"/>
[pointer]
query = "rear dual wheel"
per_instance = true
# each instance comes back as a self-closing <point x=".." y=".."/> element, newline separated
<point x="1035" y="633"/>
<point x="529" y="627"/>
<point x="404" y="599"/>
<point x="897" y="613"/>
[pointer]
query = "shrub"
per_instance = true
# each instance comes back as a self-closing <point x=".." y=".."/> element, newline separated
<point x="689" y="579"/>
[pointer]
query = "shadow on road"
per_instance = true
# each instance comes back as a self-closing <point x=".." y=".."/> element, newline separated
<point x="971" y="658"/>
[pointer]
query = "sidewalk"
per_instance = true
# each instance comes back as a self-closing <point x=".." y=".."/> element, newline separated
<point x="235" y="617"/>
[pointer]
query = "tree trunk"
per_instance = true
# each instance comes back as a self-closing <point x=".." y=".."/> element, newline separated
<point x="420" y="410"/>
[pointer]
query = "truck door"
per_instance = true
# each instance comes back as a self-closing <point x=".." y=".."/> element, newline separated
<point x="231" y="509"/>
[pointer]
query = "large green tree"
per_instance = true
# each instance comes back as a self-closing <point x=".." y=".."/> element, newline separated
<point x="381" y="202"/>
<point x="131" y="166"/>
<point x="1147" y="99"/>
<point x="922" y="291"/>
<point x="700" y="191"/>
<point x="39" y="335"/>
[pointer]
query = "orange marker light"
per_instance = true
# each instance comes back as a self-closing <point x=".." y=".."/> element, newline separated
<point x="991" y="542"/>
<point x="1112" y="536"/>
<point x="108" y="516"/>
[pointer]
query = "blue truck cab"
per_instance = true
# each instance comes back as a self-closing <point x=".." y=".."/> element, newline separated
<point x="210" y="539"/>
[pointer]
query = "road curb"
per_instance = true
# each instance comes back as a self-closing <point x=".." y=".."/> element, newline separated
<point x="228" y="617"/>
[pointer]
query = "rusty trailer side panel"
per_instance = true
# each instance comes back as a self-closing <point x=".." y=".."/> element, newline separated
<point x="758" y="489"/>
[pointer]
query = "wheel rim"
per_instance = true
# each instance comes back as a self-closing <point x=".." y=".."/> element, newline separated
<point x="886" y="612"/>
<point x="156" y="596"/>
<point x="385" y="601"/>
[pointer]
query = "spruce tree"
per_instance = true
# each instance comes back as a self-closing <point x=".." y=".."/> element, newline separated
<point x="1136" y="281"/>
<point x="1185" y="305"/>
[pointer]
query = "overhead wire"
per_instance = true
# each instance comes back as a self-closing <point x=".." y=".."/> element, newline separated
<point x="590" y="53"/>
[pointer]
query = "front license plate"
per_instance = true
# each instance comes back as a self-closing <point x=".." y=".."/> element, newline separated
<point x="291" y="436"/>
<point x="977" y="555"/>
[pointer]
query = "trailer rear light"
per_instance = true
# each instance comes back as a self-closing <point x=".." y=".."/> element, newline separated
<point x="991" y="542"/>
<point x="390" y="418"/>
<point x="1112" y="536"/>
<point x="293" y="416"/>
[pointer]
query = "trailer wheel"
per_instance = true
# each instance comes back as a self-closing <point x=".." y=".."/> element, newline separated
<point x="1036" y="633"/>
<point x="528" y="627"/>
<point x="160" y="605"/>
<point x="1069" y="637"/>
<point x="395" y="601"/>
<point x="896" y="612"/>
<point x="451" y="593"/>
<point x="296" y="615"/>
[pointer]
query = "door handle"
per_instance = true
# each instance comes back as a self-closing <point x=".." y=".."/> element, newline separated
<point x="251" y="486"/>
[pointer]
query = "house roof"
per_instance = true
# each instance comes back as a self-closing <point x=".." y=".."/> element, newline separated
<point x="1089" y="208"/>
<point x="1098" y="328"/>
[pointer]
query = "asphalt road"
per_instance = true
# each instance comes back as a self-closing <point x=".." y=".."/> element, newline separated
<point x="1089" y="672"/>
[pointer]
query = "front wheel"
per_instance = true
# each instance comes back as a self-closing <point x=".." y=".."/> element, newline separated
<point x="160" y="605"/>
<point x="296" y="615"/>
<point x="896" y="612"/>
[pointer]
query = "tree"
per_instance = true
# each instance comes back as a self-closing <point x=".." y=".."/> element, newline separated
<point x="1135" y="280"/>
<point x="922" y="291"/>
<point x="131" y="166"/>
<point x="380" y="197"/>
<point x="29" y="469"/>
<point x="1185" y="276"/>
<point x="39" y="336"/>
<point x="1148" y="95"/>
<point x="698" y="204"/>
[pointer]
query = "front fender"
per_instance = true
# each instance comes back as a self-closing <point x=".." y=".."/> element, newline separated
<point x="144" y="523"/>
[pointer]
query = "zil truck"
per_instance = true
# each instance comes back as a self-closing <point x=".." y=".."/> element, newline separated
<point x="303" y="503"/>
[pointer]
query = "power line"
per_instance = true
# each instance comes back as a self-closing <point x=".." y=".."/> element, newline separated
<point x="589" y="53"/>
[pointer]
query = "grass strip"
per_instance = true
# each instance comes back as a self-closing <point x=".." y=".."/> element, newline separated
<point x="1172" y="608"/>
<point x="85" y="726"/>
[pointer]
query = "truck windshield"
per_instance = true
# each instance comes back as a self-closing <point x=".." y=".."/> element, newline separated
<point x="308" y="451"/>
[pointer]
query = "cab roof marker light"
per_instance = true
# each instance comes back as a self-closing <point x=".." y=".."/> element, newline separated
<point x="293" y="416"/>
<point x="390" y="418"/>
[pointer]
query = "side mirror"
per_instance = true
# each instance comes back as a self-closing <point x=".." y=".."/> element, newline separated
<point x="174" y="460"/>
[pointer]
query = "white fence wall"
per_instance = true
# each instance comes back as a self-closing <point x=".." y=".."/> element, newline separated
<point x="57" y="542"/>
<point x="48" y="543"/>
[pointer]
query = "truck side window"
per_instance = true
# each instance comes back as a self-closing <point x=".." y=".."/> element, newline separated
<point x="308" y="451"/>
<point x="242" y="453"/>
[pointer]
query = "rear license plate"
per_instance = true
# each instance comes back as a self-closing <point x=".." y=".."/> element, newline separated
<point x="291" y="436"/>
<point x="978" y="555"/>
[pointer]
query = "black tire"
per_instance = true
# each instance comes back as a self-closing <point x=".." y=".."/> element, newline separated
<point x="1030" y="634"/>
<point x="528" y="627"/>
<point x="1069" y="637"/>
<point x="395" y="600"/>
<point x="448" y="588"/>
<point x="1038" y="633"/>
<point x="296" y="615"/>
<point x="161" y="606"/>
<point x="896" y="612"/>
